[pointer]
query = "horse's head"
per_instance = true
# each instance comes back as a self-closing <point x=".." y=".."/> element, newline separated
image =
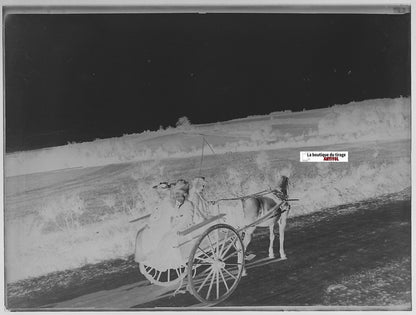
<point x="281" y="193"/>
<point x="284" y="183"/>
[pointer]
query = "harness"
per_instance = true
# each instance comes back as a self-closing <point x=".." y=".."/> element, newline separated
<point x="262" y="205"/>
<point x="278" y="211"/>
<point x="258" y="197"/>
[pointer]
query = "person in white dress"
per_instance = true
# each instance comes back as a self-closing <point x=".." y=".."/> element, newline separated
<point x="158" y="243"/>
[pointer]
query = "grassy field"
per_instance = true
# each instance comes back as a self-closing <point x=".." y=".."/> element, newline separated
<point x="78" y="214"/>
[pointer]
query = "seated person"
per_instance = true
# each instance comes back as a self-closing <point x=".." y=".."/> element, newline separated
<point x="196" y="196"/>
<point x="157" y="243"/>
<point x="183" y="209"/>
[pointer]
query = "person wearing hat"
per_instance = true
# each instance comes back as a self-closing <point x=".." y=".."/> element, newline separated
<point x="182" y="216"/>
<point x="160" y="239"/>
<point x="180" y="210"/>
<point x="196" y="196"/>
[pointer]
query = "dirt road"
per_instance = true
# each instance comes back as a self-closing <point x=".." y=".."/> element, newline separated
<point x="324" y="250"/>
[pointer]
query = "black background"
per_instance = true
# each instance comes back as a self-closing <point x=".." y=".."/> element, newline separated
<point x="81" y="77"/>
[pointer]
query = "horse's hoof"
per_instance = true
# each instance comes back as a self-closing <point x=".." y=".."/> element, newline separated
<point x="283" y="257"/>
<point x="271" y="256"/>
<point x="244" y="273"/>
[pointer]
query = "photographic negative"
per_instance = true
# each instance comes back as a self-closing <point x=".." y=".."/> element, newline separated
<point x="155" y="158"/>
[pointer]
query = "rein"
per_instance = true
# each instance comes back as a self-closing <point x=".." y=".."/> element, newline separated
<point x="258" y="194"/>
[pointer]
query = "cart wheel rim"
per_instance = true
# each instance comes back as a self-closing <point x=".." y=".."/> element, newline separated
<point x="165" y="278"/>
<point x="216" y="264"/>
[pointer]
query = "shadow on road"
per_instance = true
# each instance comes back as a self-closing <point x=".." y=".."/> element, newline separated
<point x="322" y="248"/>
<point x="336" y="245"/>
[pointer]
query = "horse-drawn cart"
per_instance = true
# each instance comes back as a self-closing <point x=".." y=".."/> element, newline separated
<point x="212" y="256"/>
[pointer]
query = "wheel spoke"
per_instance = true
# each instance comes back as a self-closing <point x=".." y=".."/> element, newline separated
<point x="169" y="274"/>
<point x="223" y="279"/>
<point x="209" y="260"/>
<point x="202" y="264"/>
<point x="205" y="271"/>
<point x="158" y="277"/>
<point x="234" y="242"/>
<point x="230" y="274"/>
<point x="218" y="285"/>
<point x="212" y="246"/>
<point x="194" y="271"/>
<point x="237" y="250"/>
<point x="218" y="243"/>
<point x="231" y="255"/>
<point x="206" y="279"/>
<point x="228" y="248"/>
<point x="208" y="256"/>
<point x="235" y="264"/>
<point x="223" y="243"/>
<point x="210" y="285"/>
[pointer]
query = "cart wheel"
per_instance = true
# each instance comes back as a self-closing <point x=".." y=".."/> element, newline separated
<point x="163" y="278"/>
<point x="216" y="264"/>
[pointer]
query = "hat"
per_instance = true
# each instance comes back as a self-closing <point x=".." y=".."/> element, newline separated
<point x="198" y="182"/>
<point x="162" y="185"/>
<point x="181" y="185"/>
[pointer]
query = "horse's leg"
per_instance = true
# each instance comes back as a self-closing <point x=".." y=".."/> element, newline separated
<point x="282" y="226"/>
<point x="247" y="237"/>
<point x="250" y="213"/>
<point x="271" y="230"/>
<point x="246" y="241"/>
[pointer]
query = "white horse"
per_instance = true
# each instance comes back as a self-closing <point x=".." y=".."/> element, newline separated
<point x="258" y="206"/>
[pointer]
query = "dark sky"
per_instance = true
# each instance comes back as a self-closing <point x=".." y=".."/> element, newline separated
<point x="82" y="77"/>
